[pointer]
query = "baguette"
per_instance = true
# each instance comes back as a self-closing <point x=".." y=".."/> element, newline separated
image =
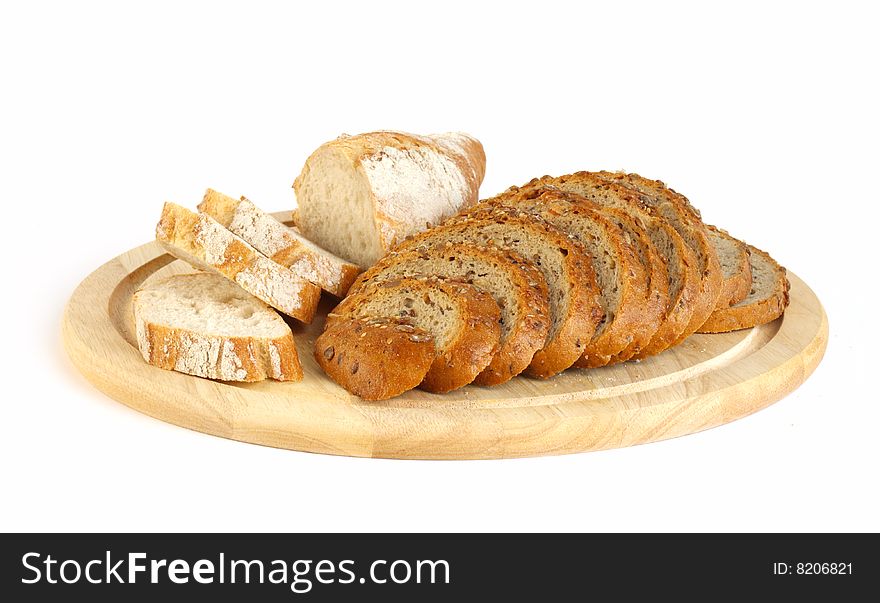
<point x="359" y="195"/>
<point x="203" y="242"/>
<point x="204" y="325"/>
<point x="280" y="243"/>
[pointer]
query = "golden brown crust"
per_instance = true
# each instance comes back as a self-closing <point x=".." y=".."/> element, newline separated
<point x="736" y="287"/>
<point x="528" y="331"/>
<point x="205" y="244"/>
<point x="680" y="307"/>
<point x="657" y="286"/>
<point x="163" y="346"/>
<point x="676" y="209"/>
<point x="375" y="358"/>
<point x="473" y="342"/>
<point x="681" y="265"/>
<point x="582" y="313"/>
<point x="637" y="315"/>
<point x="648" y="184"/>
<point x="745" y="315"/>
<point x="393" y="225"/>
<point x="282" y="245"/>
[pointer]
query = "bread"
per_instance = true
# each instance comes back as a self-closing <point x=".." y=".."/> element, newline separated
<point x="203" y="324"/>
<point x="571" y="282"/>
<point x="517" y="286"/>
<point x="462" y="319"/>
<point x="281" y="244"/>
<point x="766" y="301"/>
<point x="655" y="187"/>
<point x="682" y="275"/>
<point x="735" y="267"/>
<point x="620" y="275"/>
<point x="359" y="195"/>
<point x="203" y="242"/>
<point x="678" y="212"/>
<point x="375" y="358"/>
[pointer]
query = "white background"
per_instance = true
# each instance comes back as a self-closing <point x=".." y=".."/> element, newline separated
<point x="765" y="114"/>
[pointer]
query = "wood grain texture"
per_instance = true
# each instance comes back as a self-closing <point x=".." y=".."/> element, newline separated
<point x="706" y="381"/>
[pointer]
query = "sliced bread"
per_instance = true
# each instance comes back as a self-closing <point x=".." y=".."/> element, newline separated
<point x="375" y="358"/>
<point x="567" y="269"/>
<point x="203" y="242"/>
<point x="657" y="186"/>
<point x="281" y="244"/>
<point x="622" y="279"/>
<point x="517" y="286"/>
<point x="203" y="324"/>
<point x="462" y="319"/>
<point x="733" y="255"/>
<point x="682" y="274"/>
<point x="766" y="301"/>
<point x="678" y="212"/>
<point x="359" y="195"/>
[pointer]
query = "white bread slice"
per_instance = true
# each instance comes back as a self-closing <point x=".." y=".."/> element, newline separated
<point x="203" y="324"/>
<point x="359" y="195"/>
<point x="283" y="245"/>
<point x="203" y="242"/>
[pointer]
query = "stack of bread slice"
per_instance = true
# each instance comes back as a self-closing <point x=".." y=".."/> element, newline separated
<point x="583" y="270"/>
<point x="220" y="323"/>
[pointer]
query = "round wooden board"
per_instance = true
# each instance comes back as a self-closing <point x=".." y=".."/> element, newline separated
<point x="706" y="381"/>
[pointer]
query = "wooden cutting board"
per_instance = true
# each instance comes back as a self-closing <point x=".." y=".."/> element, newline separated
<point x="706" y="381"/>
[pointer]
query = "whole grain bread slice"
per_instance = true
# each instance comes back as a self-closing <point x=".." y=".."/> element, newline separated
<point x="203" y="242"/>
<point x="767" y="299"/>
<point x="677" y="210"/>
<point x="281" y="244"/>
<point x="375" y="358"/>
<point x="571" y="282"/>
<point x="735" y="266"/>
<point x="623" y="280"/>
<point x="682" y="274"/>
<point x="203" y="324"/>
<point x="517" y="286"/>
<point x="462" y="319"/>
<point x="658" y="187"/>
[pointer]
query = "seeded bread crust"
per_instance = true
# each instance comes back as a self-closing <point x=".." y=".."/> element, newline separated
<point x="471" y="343"/>
<point x="659" y="187"/>
<point x="281" y="244"/>
<point x="683" y="277"/>
<point x="656" y="284"/>
<point x="375" y="358"/>
<point x="766" y="300"/>
<point x="638" y="312"/>
<point x="203" y="242"/>
<point x="212" y="355"/>
<point x="576" y="319"/>
<point x="677" y="210"/>
<point x="525" y="318"/>
<point x="734" y="257"/>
